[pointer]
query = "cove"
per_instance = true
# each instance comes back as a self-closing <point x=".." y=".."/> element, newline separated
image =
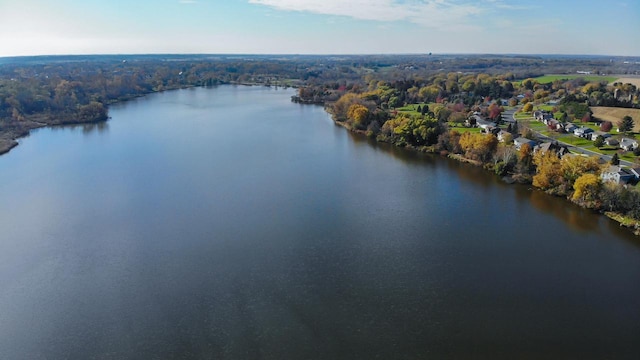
<point x="230" y="223"/>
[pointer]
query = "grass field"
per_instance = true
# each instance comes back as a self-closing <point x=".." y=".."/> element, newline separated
<point x="411" y="109"/>
<point x="615" y="114"/>
<point x="551" y="78"/>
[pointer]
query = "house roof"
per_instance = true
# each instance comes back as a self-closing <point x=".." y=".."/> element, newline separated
<point x="613" y="169"/>
<point x="552" y="146"/>
<point x="603" y="134"/>
<point x="522" y="140"/>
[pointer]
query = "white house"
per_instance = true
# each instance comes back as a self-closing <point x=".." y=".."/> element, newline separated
<point x="569" y="127"/>
<point x="628" y="144"/>
<point x="617" y="174"/>
<point x="595" y="134"/>
<point x="582" y="132"/>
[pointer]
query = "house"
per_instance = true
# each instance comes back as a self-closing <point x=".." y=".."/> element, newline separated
<point x="543" y="116"/>
<point x="554" y="124"/>
<point x="519" y="142"/>
<point x="618" y="175"/>
<point x="537" y="114"/>
<point x="611" y="141"/>
<point x="595" y="134"/>
<point x="560" y="150"/>
<point x="569" y="127"/>
<point x="485" y="125"/>
<point x="628" y="144"/>
<point x="480" y="122"/>
<point x="582" y="132"/>
<point x="502" y="134"/>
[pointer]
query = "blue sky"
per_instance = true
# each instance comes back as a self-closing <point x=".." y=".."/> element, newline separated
<point x="38" y="27"/>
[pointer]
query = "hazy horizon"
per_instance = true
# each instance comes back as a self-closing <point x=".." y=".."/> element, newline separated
<point x="314" y="27"/>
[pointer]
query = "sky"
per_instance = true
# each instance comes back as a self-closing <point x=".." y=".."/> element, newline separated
<point x="578" y="27"/>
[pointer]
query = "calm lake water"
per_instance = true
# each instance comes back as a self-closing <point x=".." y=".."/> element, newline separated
<point x="230" y="223"/>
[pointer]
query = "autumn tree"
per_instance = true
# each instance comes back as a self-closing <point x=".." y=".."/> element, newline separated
<point x="606" y="126"/>
<point x="574" y="166"/>
<point x="548" y="171"/>
<point x="478" y="146"/>
<point x="586" y="189"/>
<point x="358" y="115"/>
<point x="528" y="107"/>
<point x="495" y="111"/>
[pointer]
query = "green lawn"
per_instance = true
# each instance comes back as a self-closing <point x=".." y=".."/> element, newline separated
<point x="463" y="129"/>
<point x="544" y="107"/>
<point x="576" y="141"/>
<point x="411" y="108"/>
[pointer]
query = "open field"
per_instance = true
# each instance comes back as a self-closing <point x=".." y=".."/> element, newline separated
<point x="629" y="80"/>
<point x="615" y="114"/>
<point x="551" y="78"/>
<point x="411" y="109"/>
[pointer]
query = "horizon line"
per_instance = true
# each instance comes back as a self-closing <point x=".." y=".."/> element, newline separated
<point x="317" y="54"/>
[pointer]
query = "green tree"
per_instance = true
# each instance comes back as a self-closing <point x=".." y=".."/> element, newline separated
<point x="599" y="142"/>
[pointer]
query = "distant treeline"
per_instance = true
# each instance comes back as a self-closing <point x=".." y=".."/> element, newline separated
<point x="52" y="90"/>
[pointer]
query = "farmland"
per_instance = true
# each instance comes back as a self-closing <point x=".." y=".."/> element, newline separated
<point x="629" y="80"/>
<point x="615" y="114"/>
<point x="551" y="78"/>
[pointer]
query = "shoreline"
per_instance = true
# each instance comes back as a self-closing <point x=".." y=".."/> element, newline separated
<point x="8" y="141"/>
<point x="632" y="225"/>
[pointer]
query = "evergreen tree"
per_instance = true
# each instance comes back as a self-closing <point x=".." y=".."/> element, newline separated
<point x="626" y="124"/>
<point x="615" y="159"/>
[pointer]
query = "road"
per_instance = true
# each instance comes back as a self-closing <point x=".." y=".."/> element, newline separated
<point x="510" y="116"/>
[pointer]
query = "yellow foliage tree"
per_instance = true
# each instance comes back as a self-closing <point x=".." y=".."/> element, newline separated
<point x="586" y="188"/>
<point x="341" y="107"/>
<point x="358" y="114"/>
<point x="478" y="146"/>
<point x="573" y="167"/>
<point x="548" y="171"/>
<point x="527" y="107"/>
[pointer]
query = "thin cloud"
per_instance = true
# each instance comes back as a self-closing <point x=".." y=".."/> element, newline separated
<point x="188" y="1"/>
<point x="428" y="13"/>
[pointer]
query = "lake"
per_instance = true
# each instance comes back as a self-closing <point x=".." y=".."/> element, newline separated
<point x="230" y="223"/>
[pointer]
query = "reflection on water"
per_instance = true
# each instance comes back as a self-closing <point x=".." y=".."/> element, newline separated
<point x="87" y="129"/>
<point x="204" y="228"/>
